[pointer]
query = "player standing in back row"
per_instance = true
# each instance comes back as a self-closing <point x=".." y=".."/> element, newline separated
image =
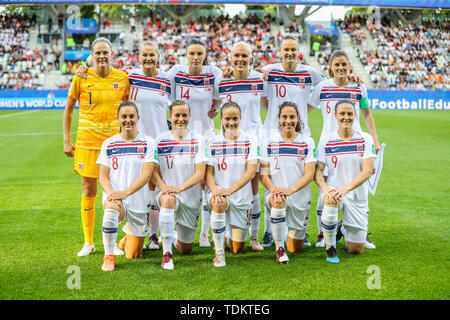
<point x="99" y="97"/>
<point x="195" y="84"/>
<point x="325" y="96"/>
<point x="287" y="81"/>
<point x="245" y="87"/>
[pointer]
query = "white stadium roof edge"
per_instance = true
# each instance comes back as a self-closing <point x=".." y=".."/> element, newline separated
<point x="437" y="4"/>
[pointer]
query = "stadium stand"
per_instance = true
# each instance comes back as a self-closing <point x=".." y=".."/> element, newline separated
<point x="389" y="57"/>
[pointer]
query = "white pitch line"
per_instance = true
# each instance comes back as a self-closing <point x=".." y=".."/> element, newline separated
<point x="31" y="134"/>
<point x="17" y="114"/>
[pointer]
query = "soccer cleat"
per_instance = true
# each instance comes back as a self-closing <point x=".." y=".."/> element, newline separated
<point x="122" y="242"/>
<point x="108" y="263"/>
<point x="320" y="241"/>
<point x="339" y="233"/>
<point x="118" y="251"/>
<point x="203" y="242"/>
<point x="219" y="260"/>
<point x="369" y="244"/>
<point x="306" y="242"/>
<point x="144" y="246"/>
<point x="153" y="242"/>
<point x="282" y="256"/>
<point x="86" y="250"/>
<point x="167" y="261"/>
<point x="255" y="245"/>
<point x="332" y="255"/>
<point x="267" y="239"/>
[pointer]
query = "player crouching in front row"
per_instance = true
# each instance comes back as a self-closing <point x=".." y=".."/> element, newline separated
<point x="349" y="155"/>
<point x="233" y="160"/>
<point x="287" y="168"/>
<point x="126" y="166"/>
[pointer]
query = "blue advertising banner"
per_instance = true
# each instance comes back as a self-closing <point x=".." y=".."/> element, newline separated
<point x="322" y="27"/>
<point x="81" y="26"/>
<point x="378" y="99"/>
<point x="76" y="55"/>
<point x="408" y="100"/>
<point x="364" y="3"/>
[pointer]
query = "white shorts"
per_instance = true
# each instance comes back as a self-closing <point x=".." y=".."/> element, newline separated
<point x="236" y="216"/>
<point x="184" y="215"/>
<point x="355" y="235"/>
<point x="138" y="223"/>
<point x="355" y="213"/>
<point x="185" y="234"/>
<point x="296" y="218"/>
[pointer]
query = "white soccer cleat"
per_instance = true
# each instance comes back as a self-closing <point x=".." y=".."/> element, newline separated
<point x="320" y="241"/>
<point x="306" y="242"/>
<point x="282" y="256"/>
<point x="219" y="260"/>
<point x="167" y="261"/>
<point x="144" y="246"/>
<point x="86" y="250"/>
<point x="369" y="244"/>
<point x="153" y="242"/>
<point x="203" y="242"/>
<point x="118" y="251"/>
<point x="255" y="245"/>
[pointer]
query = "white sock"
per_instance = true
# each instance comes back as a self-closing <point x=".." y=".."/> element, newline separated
<point x="206" y="216"/>
<point x="255" y="217"/>
<point x="154" y="216"/>
<point x="344" y="231"/>
<point x="167" y="226"/>
<point x="329" y="224"/>
<point x="110" y="228"/>
<point x="267" y="219"/>
<point x="278" y="223"/>
<point x="218" y="230"/>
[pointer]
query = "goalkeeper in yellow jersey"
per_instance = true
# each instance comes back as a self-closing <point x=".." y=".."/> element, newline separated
<point x="99" y="97"/>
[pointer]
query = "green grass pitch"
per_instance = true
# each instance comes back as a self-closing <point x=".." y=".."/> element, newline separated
<point x="409" y="220"/>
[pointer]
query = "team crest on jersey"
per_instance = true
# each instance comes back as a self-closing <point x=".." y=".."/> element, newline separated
<point x="163" y="88"/>
<point x="116" y="85"/>
<point x="80" y="166"/>
<point x="353" y="96"/>
<point x="301" y="153"/>
<point x="255" y="89"/>
<point x="361" y="149"/>
<point x="141" y="151"/>
<point x="301" y="81"/>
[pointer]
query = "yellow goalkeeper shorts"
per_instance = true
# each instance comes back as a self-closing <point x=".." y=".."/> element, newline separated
<point x="85" y="162"/>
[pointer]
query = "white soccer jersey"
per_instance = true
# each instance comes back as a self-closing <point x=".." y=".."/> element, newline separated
<point x="247" y="94"/>
<point x="287" y="163"/>
<point x="230" y="163"/>
<point x="344" y="160"/>
<point x="289" y="86"/>
<point x="325" y="96"/>
<point x="198" y="91"/>
<point x="125" y="160"/>
<point x="152" y="97"/>
<point x="177" y="160"/>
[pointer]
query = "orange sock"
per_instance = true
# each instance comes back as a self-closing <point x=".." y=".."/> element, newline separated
<point x="88" y="218"/>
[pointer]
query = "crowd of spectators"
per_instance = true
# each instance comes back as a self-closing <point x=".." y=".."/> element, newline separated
<point x="411" y="57"/>
<point x="406" y="58"/>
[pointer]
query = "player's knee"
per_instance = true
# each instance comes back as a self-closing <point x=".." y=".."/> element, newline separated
<point x="184" y="248"/>
<point x="132" y="254"/>
<point x="219" y="207"/>
<point x="167" y="201"/>
<point x="294" y="245"/>
<point x="355" y="248"/>
<point x="277" y="204"/>
<point x="236" y="247"/>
